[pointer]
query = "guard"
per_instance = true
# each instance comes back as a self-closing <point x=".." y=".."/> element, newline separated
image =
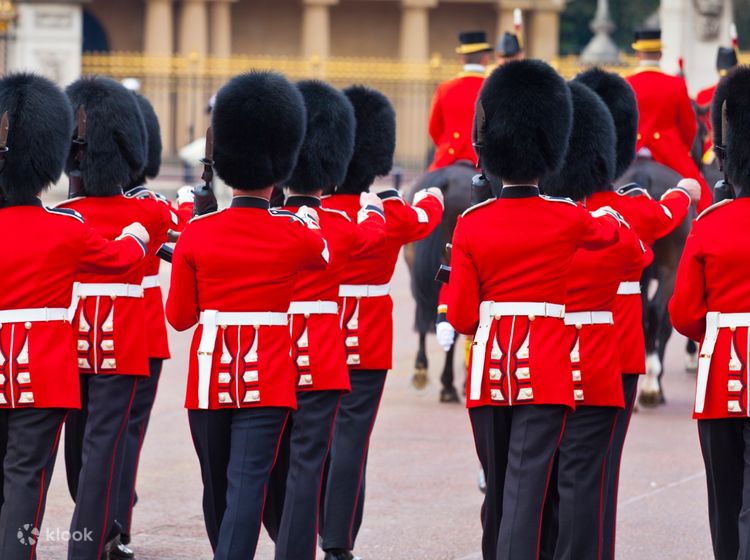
<point x="110" y="319"/>
<point x="711" y="303"/>
<point x="233" y="273"/>
<point x="366" y="313"/>
<point x="511" y="260"/>
<point x="40" y="381"/>
<point x="726" y="59"/>
<point x="317" y="337"/>
<point x="452" y="112"/>
<point x="651" y="220"/>
<point x="667" y="124"/>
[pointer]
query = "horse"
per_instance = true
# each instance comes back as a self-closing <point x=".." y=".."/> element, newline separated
<point x="423" y="259"/>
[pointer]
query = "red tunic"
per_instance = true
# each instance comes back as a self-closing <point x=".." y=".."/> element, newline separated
<point x="520" y="248"/>
<point x="594" y="351"/>
<point x="452" y="119"/>
<point x="242" y="259"/>
<point x="112" y="331"/>
<point x="667" y="124"/>
<point x="44" y="252"/>
<point x="368" y="321"/>
<point x="318" y="340"/>
<point x="704" y="99"/>
<point x="651" y="220"/>
<point x="713" y="277"/>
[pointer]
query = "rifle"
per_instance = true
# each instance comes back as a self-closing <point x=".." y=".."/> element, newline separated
<point x="75" y="177"/>
<point x="723" y="190"/>
<point x="205" y="199"/>
<point x="4" y="128"/>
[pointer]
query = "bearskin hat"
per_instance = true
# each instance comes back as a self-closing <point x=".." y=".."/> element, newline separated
<point x="329" y="140"/>
<point x="153" y="133"/>
<point x="733" y="89"/>
<point x="258" y="125"/>
<point x="116" y="138"/>
<point x="527" y="120"/>
<point x="619" y="97"/>
<point x="374" y="141"/>
<point x="39" y="125"/>
<point x="590" y="159"/>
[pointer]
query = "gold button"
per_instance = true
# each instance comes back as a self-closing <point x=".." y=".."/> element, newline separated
<point x="307" y="315"/>
<point x="657" y="135"/>
<point x="27" y="324"/>
<point x="733" y="328"/>
<point x="639" y="136"/>
<point x="532" y="317"/>
<point x="451" y="151"/>
<point x="456" y="135"/>
<point x="579" y="326"/>
<point x="113" y="298"/>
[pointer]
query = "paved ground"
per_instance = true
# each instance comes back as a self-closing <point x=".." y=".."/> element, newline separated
<point x="422" y="501"/>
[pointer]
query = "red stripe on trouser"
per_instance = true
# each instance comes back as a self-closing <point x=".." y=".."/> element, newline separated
<point x="546" y="486"/>
<point x="602" y="487"/>
<point x="124" y="424"/>
<point x="322" y="473"/>
<point x="268" y="474"/>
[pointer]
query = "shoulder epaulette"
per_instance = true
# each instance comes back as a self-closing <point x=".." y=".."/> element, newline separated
<point x="139" y="192"/>
<point x="713" y="207"/>
<point x="335" y="211"/>
<point x="62" y="203"/>
<point x="65" y="212"/>
<point x="196" y="218"/>
<point x="633" y="189"/>
<point x="286" y="214"/>
<point x="558" y="199"/>
<point x="478" y="205"/>
<point x="390" y="194"/>
<point x="160" y="197"/>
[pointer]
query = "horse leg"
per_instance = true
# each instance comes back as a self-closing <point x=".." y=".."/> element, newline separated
<point x="448" y="392"/>
<point x="419" y="379"/>
<point x="649" y="391"/>
<point x="691" y="356"/>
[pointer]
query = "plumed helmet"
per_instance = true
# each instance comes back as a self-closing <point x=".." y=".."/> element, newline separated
<point x="39" y="125"/>
<point x="620" y="99"/>
<point x="153" y="133"/>
<point x="590" y="160"/>
<point x="116" y="138"/>
<point x="258" y="125"/>
<point x="329" y="140"/>
<point x="732" y="99"/>
<point x="527" y="116"/>
<point x="374" y="141"/>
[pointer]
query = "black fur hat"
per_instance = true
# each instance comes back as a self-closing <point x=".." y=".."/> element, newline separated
<point x="153" y="133"/>
<point x="374" y="141"/>
<point x="620" y="99"/>
<point x="39" y="124"/>
<point x="528" y="116"/>
<point x="329" y="140"/>
<point x="590" y="160"/>
<point x="733" y="89"/>
<point x="258" y="125"/>
<point x="115" y="135"/>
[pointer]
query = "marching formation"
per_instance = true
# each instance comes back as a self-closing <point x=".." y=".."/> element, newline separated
<point x="288" y="289"/>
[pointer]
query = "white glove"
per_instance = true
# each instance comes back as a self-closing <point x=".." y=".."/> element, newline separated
<point x="309" y="216"/>
<point x="185" y="195"/>
<point x="446" y="335"/>
<point x="370" y="199"/>
<point x="693" y="189"/>
<point x="424" y="193"/>
<point x="136" y="229"/>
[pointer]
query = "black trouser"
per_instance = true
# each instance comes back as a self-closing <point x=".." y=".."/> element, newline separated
<point x="725" y="444"/>
<point x="292" y="521"/>
<point x="614" y="457"/>
<point x="106" y="402"/>
<point x="140" y="412"/>
<point x="28" y="447"/>
<point x="344" y="495"/>
<point x="516" y="446"/>
<point x="580" y="481"/>
<point x="237" y="449"/>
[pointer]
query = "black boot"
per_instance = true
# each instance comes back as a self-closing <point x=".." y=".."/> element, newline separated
<point x="340" y="554"/>
<point x="115" y="550"/>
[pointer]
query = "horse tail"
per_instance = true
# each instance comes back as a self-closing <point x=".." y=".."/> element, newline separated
<point x="428" y="255"/>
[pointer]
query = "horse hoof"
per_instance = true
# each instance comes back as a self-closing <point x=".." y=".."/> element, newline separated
<point x="449" y="395"/>
<point x="649" y="400"/>
<point x="419" y="379"/>
<point x="691" y="363"/>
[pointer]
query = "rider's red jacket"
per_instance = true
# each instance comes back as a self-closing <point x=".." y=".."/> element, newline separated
<point x="704" y="99"/>
<point x="519" y="249"/>
<point x="667" y="123"/>
<point x="650" y="219"/>
<point x="712" y="277"/>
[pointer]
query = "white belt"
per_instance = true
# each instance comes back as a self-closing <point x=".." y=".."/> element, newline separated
<point x="714" y="322"/>
<point x="579" y="318"/>
<point x="36" y="315"/>
<point x="362" y="290"/>
<point x="313" y="308"/>
<point x="150" y="282"/>
<point x="490" y="310"/>
<point x="211" y="321"/>
<point x="629" y="288"/>
<point x="116" y="290"/>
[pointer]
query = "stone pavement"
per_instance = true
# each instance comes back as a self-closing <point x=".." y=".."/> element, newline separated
<point x="422" y="499"/>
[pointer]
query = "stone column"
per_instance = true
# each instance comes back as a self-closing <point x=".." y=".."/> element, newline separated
<point x="415" y="30"/>
<point x="543" y="38"/>
<point x="192" y="93"/>
<point x="221" y="28"/>
<point x="158" y="45"/>
<point x="316" y="28"/>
